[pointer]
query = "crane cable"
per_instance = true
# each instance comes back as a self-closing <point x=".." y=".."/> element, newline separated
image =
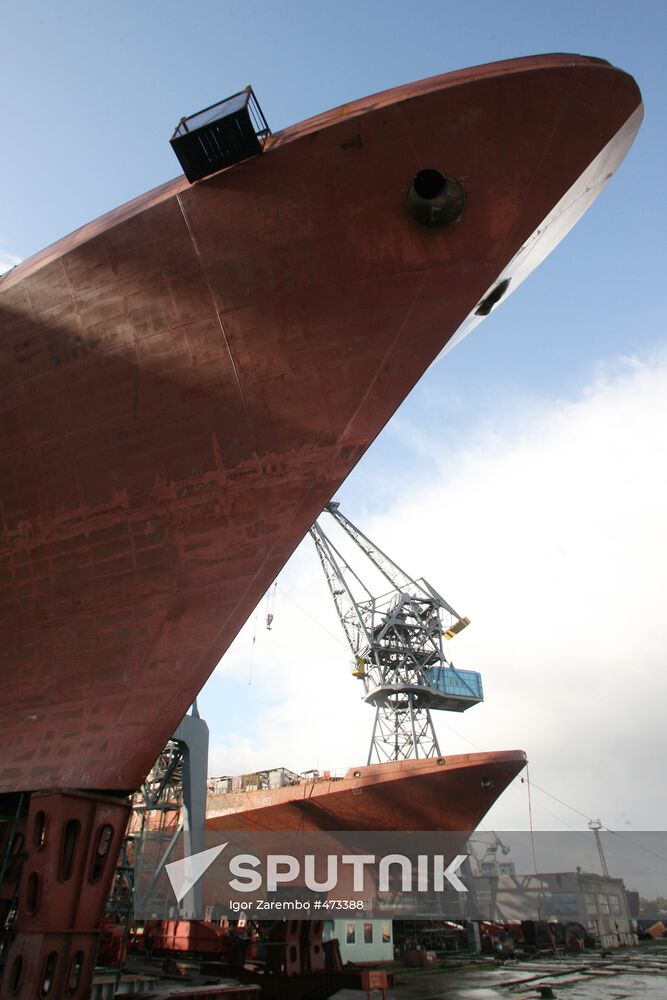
<point x="318" y="623"/>
<point x="271" y="604"/>
<point x="252" y="648"/>
<point x="614" y="833"/>
<point x="530" y="819"/>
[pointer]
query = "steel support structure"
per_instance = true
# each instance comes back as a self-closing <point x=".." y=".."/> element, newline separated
<point x="171" y="803"/>
<point x="58" y="869"/>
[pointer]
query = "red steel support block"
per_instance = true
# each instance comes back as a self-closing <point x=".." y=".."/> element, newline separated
<point x="58" y="965"/>
<point x="72" y="841"/>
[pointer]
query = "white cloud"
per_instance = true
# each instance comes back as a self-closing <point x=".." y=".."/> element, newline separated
<point x="299" y="704"/>
<point x="554" y="542"/>
<point x="551" y="536"/>
<point x="8" y="261"/>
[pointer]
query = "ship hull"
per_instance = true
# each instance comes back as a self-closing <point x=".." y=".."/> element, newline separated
<point x="186" y="382"/>
<point x="446" y="793"/>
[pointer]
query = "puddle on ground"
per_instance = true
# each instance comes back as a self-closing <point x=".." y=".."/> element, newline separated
<point x="629" y="975"/>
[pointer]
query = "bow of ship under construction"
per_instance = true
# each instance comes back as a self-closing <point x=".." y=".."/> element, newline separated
<point x="185" y="383"/>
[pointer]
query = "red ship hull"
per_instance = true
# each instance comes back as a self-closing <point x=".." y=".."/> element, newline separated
<point x="183" y="386"/>
<point x="186" y="382"/>
<point x="445" y="793"/>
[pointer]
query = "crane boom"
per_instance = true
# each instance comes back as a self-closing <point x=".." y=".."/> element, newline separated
<point x="335" y="568"/>
<point x="396" y="576"/>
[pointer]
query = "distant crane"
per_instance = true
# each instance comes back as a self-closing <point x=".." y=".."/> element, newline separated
<point x="595" y="826"/>
<point x="487" y="855"/>
<point x="397" y="643"/>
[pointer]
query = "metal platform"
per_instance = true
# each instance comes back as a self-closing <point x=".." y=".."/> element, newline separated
<point x="220" y="135"/>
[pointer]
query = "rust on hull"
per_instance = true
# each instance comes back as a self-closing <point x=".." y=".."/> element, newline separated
<point x="186" y="382"/>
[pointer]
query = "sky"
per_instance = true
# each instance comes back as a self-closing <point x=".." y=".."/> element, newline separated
<point x="524" y="476"/>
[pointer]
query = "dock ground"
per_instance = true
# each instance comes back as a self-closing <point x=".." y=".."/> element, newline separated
<point x="631" y="973"/>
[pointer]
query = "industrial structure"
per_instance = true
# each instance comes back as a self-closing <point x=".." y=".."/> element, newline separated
<point x="594" y="825"/>
<point x="596" y="905"/>
<point x="171" y="805"/>
<point x="396" y="640"/>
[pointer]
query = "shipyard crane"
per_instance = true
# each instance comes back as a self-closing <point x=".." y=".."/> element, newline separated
<point x="396" y="640"/>
<point x="595" y="826"/>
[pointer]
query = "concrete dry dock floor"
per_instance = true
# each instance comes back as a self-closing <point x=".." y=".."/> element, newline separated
<point x="634" y="973"/>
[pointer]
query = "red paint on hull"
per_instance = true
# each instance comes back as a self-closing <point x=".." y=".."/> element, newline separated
<point x="405" y="795"/>
<point x="186" y="382"/>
